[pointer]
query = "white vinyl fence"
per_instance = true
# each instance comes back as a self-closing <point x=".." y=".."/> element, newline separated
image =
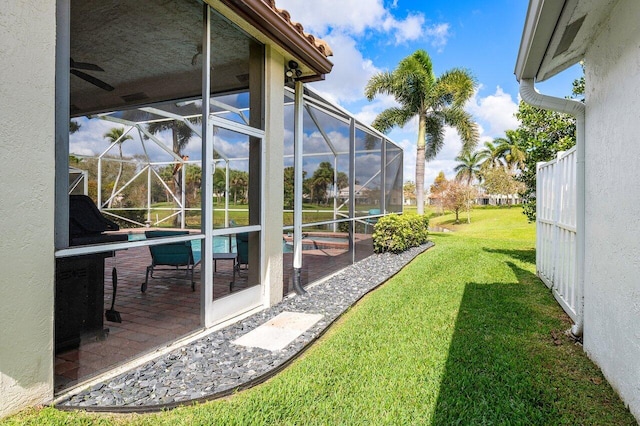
<point x="556" y="228"/>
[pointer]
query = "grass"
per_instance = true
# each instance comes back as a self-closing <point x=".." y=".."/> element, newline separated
<point x="502" y="224"/>
<point x="465" y="334"/>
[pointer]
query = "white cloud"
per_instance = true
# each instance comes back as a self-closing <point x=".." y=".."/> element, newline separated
<point x="89" y="140"/>
<point x="439" y="34"/>
<point x="371" y="110"/>
<point x="357" y="16"/>
<point x="408" y="29"/>
<point x="350" y="73"/>
<point x="353" y="16"/>
<point x="496" y="111"/>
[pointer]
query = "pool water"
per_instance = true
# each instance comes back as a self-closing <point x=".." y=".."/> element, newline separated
<point x="314" y="242"/>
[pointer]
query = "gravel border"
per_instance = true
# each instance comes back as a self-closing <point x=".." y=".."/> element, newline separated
<point x="212" y="367"/>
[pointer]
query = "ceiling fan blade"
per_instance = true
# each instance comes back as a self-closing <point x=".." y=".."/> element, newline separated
<point x="91" y="79"/>
<point x="85" y="66"/>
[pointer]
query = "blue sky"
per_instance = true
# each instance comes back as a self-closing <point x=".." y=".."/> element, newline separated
<point x="369" y="36"/>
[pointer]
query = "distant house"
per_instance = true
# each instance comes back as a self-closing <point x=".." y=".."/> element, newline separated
<point x="605" y="35"/>
<point x="362" y="194"/>
<point x="485" y="199"/>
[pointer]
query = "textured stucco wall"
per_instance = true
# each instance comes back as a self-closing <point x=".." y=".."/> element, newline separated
<point x="612" y="263"/>
<point x="27" y="71"/>
<point x="273" y="189"/>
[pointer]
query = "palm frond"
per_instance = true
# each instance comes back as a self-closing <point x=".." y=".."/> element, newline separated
<point x="381" y="83"/>
<point x="391" y="117"/>
<point x="458" y="85"/>
<point x="463" y="122"/>
<point x="434" y="127"/>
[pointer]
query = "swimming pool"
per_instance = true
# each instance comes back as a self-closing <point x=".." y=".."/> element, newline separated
<point x="317" y="242"/>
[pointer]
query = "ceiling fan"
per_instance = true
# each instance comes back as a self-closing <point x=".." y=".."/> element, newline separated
<point x="77" y="66"/>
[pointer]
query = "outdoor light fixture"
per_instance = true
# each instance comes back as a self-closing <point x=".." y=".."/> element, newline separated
<point x="292" y="71"/>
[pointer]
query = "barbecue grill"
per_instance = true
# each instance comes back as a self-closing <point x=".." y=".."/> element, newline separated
<point x="79" y="297"/>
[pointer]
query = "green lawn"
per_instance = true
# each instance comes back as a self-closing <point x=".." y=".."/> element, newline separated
<point x="466" y="334"/>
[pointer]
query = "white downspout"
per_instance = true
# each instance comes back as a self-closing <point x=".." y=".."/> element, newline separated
<point x="531" y="96"/>
<point x="297" y="186"/>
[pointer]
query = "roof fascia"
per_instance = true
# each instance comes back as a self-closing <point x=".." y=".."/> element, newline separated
<point x="540" y="24"/>
<point x="261" y="16"/>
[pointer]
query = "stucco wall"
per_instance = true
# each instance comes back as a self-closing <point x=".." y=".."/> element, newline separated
<point x="27" y="70"/>
<point x="612" y="263"/>
<point x="273" y="185"/>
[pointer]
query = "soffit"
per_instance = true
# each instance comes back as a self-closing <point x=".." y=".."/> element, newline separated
<point x="557" y="33"/>
<point x="275" y="26"/>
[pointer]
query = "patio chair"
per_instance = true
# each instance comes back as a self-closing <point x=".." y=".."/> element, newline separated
<point x="175" y="256"/>
<point x="371" y="220"/>
<point x="242" y="246"/>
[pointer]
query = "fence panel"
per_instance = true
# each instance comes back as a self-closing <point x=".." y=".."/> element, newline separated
<point x="556" y="228"/>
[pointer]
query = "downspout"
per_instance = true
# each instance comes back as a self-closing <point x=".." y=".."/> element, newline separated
<point x="297" y="188"/>
<point x="575" y="108"/>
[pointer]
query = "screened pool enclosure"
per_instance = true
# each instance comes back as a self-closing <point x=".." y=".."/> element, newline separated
<point x="141" y="181"/>
<point x="351" y="174"/>
<point x="221" y="183"/>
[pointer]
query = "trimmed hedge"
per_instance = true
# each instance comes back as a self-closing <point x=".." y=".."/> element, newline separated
<point x="397" y="233"/>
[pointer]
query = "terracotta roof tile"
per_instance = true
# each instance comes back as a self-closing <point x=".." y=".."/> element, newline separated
<point x="320" y="45"/>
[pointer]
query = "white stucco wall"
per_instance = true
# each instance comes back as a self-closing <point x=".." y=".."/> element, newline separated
<point x="27" y="71"/>
<point x="273" y="185"/>
<point x="612" y="263"/>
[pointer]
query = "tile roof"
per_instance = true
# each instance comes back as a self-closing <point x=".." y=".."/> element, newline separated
<point x="276" y="24"/>
<point x="320" y="45"/>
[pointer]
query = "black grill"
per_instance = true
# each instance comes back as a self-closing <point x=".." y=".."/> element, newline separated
<point x="79" y="301"/>
<point x="87" y="225"/>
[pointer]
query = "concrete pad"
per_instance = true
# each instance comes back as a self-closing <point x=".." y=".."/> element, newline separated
<point x="277" y="333"/>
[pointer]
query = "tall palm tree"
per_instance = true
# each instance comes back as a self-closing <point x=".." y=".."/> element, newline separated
<point x="510" y="150"/>
<point x="181" y="134"/>
<point x="321" y="179"/>
<point x="436" y="101"/>
<point x="469" y="166"/>
<point x="115" y="134"/>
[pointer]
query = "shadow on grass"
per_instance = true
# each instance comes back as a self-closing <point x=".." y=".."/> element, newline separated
<point x="493" y="373"/>
<point x="527" y="256"/>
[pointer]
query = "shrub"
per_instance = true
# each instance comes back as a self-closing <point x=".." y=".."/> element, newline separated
<point x="397" y="233"/>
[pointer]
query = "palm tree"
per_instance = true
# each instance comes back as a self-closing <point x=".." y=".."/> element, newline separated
<point x="492" y="155"/>
<point x="469" y="166"/>
<point x="437" y="101"/>
<point x="510" y="150"/>
<point x="181" y="134"/>
<point x="238" y="181"/>
<point x="194" y="178"/>
<point x="115" y="134"/>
